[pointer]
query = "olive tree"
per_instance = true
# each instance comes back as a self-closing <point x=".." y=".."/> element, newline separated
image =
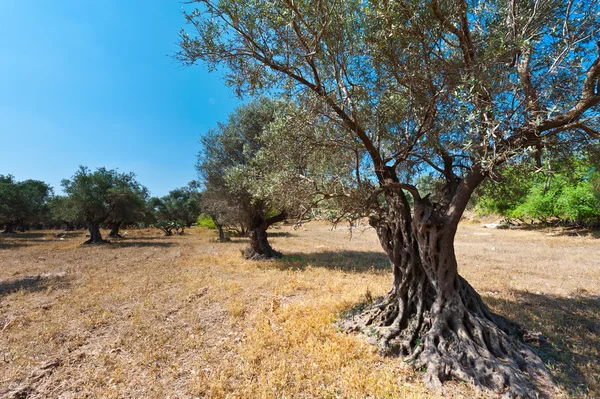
<point x="22" y="203"/>
<point x="131" y="207"/>
<point x="95" y="197"/>
<point x="228" y="168"/>
<point x="449" y="87"/>
<point x="178" y="209"/>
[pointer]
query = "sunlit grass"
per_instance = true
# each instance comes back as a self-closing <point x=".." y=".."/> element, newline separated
<point x="150" y="316"/>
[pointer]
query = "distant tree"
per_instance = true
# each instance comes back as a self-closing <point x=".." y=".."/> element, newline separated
<point x="95" y="197"/>
<point x="228" y="169"/>
<point x="132" y="207"/>
<point x="178" y="209"/>
<point x="453" y="88"/>
<point x="63" y="212"/>
<point x="22" y="203"/>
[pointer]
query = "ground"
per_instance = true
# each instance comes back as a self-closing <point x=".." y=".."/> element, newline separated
<point x="184" y="316"/>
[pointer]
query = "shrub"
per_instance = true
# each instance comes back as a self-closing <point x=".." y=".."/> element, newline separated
<point x="205" y="221"/>
<point x="570" y="195"/>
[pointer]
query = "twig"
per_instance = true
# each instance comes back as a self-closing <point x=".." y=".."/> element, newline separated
<point x="7" y="324"/>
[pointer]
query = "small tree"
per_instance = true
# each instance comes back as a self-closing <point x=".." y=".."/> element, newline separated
<point x="130" y="208"/>
<point x="95" y="196"/>
<point x="22" y="203"/>
<point x="178" y="209"/>
<point x="234" y="179"/>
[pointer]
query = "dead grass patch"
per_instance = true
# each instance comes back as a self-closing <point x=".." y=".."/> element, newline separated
<point x="153" y="316"/>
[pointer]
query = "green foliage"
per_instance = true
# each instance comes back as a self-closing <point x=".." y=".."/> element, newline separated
<point x="405" y="92"/>
<point x="182" y="205"/>
<point x="96" y="197"/>
<point x="23" y="202"/>
<point x="235" y="188"/>
<point x="167" y="226"/>
<point x="205" y="221"/>
<point x="503" y="195"/>
<point x="570" y="195"/>
<point x="62" y="210"/>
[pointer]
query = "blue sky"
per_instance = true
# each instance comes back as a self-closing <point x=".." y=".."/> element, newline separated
<point x="91" y="83"/>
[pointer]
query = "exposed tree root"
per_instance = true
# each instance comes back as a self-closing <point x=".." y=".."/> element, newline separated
<point x="454" y="339"/>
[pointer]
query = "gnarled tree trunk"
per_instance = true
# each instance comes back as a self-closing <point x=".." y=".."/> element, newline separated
<point x="260" y="248"/>
<point x="114" y="230"/>
<point x="95" y="236"/>
<point x="433" y="317"/>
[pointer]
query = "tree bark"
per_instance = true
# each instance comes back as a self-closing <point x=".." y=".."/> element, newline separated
<point x="114" y="230"/>
<point x="222" y="237"/>
<point x="433" y="317"/>
<point x="260" y="248"/>
<point x="95" y="235"/>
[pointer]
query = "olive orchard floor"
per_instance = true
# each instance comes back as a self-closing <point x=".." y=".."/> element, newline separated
<point x="152" y="316"/>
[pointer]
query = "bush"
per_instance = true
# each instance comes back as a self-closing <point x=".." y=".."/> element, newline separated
<point x="571" y="195"/>
<point x="205" y="221"/>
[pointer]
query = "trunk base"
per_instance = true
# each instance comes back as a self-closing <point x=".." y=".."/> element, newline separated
<point x="260" y="249"/>
<point x="90" y="242"/>
<point x="95" y="236"/>
<point x="459" y="340"/>
<point x="250" y="254"/>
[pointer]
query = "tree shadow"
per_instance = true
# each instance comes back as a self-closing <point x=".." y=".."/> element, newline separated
<point x="238" y="240"/>
<point x="33" y="283"/>
<point x="349" y="261"/>
<point x="562" y="231"/>
<point x="286" y="234"/>
<point x="26" y="235"/>
<point x="139" y="244"/>
<point x="11" y="245"/>
<point x="140" y="237"/>
<point x="70" y="234"/>
<point x="572" y="328"/>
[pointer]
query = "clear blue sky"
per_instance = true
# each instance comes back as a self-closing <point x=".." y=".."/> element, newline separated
<point x="91" y="83"/>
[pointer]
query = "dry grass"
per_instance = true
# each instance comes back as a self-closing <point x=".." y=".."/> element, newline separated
<point x="158" y="317"/>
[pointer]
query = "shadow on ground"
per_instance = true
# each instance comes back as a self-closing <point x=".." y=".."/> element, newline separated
<point x="71" y="234"/>
<point x="560" y="231"/>
<point x="133" y="237"/>
<point x="33" y="284"/>
<point x="285" y="234"/>
<point x="138" y="244"/>
<point x="572" y="328"/>
<point x="350" y="261"/>
<point x="11" y="245"/>
<point x="26" y="235"/>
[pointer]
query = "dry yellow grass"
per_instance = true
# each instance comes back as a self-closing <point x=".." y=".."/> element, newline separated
<point x="150" y="316"/>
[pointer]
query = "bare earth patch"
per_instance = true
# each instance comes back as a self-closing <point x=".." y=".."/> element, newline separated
<point x="186" y="317"/>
